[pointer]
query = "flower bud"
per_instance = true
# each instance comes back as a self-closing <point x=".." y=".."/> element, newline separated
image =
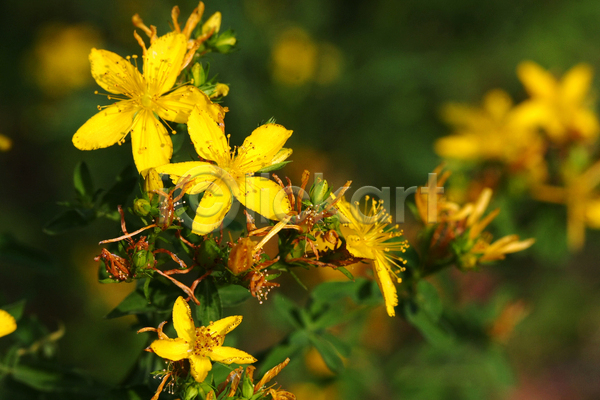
<point x="143" y="259"/>
<point x="241" y="256"/>
<point x="319" y="191"/>
<point x="221" y="90"/>
<point x="214" y="22"/>
<point x="141" y="207"/>
<point x="199" y="74"/>
<point x="225" y="41"/>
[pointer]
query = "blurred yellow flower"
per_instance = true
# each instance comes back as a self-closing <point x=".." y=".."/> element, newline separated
<point x="563" y="108"/>
<point x="232" y="176"/>
<point x="199" y="345"/>
<point x="483" y="250"/>
<point x="297" y="59"/>
<point x="582" y="199"/>
<point x="314" y="392"/>
<point x="7" y="323"/>
<point x="496" y="131"/>
<point x="5" y="143"/>
<point x="144" y="100"/>
<point x="369" y="235"/>
<point x="460" y="230"/>
<point x="294" y="57"/>
<point x="59" y="62"/>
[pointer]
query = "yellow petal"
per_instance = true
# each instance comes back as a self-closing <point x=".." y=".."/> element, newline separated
<point x="592" y="213"/>
<point x="150" y="141"/>
<point x="460" y="115"/>
<point x="259" y="149"/>
<point x="576" y="83"/>
<point x="200" y="367"/>
<point x="386" y="284"/>
<point x="480" y="205"/>
<point x="213" y="207"/>
<point x="264" y="196"/>
<point x="171" y="349"/>
<point x="459" y="147"/>
<point x="281" y="156"/>
<point x="537" y="81"/>
<point x="178" y="105"/>
<point x="225" y="325"/>
<point x="182" y="320"/>
<point x="162" y="62"/>
<point x="7" y="323"/>
<point x="115" y="74"/>
<point x="208" y="138"/>
<point x="585" y="124"/>
<point x="497" y="103"/>
<point x="357" y="247"/>
<point x="106" y="128"/>
<point x="201" y="174"/>
<point x="228" y="355"/>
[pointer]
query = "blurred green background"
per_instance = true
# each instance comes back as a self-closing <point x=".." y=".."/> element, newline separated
<point x="360" y="83"/>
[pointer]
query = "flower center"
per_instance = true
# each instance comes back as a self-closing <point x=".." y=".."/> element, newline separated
<point x="205" y="342"/>
<point x="146" y="101"/>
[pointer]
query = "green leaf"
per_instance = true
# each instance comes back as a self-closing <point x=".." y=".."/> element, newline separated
<point x="346" y="272"/>
<point x="69" y="219"/>
<point x="288" y="310"/>
<point x="430" y="329"/>
<point x="83" y="183"/>
<point x="15" y="309"/>
<point x="53" y="380"/>
<point x="330" y="355"/>
<point x="429" y="300"/>
<point x="13" y="251"/>
<point x="124" y="185"/>
<point x="273" y="167"/>
<point x="210" y="309"/>
<point x="289" y="348"/>
<point x="135" y="303"/>
<point x="233" y="295"/>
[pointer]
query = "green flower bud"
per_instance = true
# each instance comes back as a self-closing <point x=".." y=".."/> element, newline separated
<point x="143" y="259"/>
<point x="199" y="74"/>
<point x="225" y="41"/>
<point x="247" y="387"/>
<point x="191" y="392"/>
<point x="319" y="192"/>
<point x="141" y="207"/>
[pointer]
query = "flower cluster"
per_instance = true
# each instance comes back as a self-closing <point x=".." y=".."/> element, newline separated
<point x="186" y="205"/>
<point x="548" y="141"/>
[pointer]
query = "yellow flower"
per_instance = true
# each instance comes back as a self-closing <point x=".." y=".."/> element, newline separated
<point x="582" y="199"/>
<point x="199" y="345"/>
<point x="371" y="236"/>
<point x="7" y="323"/>
<point x="294" y="58"/>
<point x="5" y="143"/>
<point x="483" y="250"/>
<point x="562" y="108"/>
<point x="496" y="131"/>
<point x="145" y="99"/>
<point x="58" y="63"/>
<point x="232" y="176"/>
